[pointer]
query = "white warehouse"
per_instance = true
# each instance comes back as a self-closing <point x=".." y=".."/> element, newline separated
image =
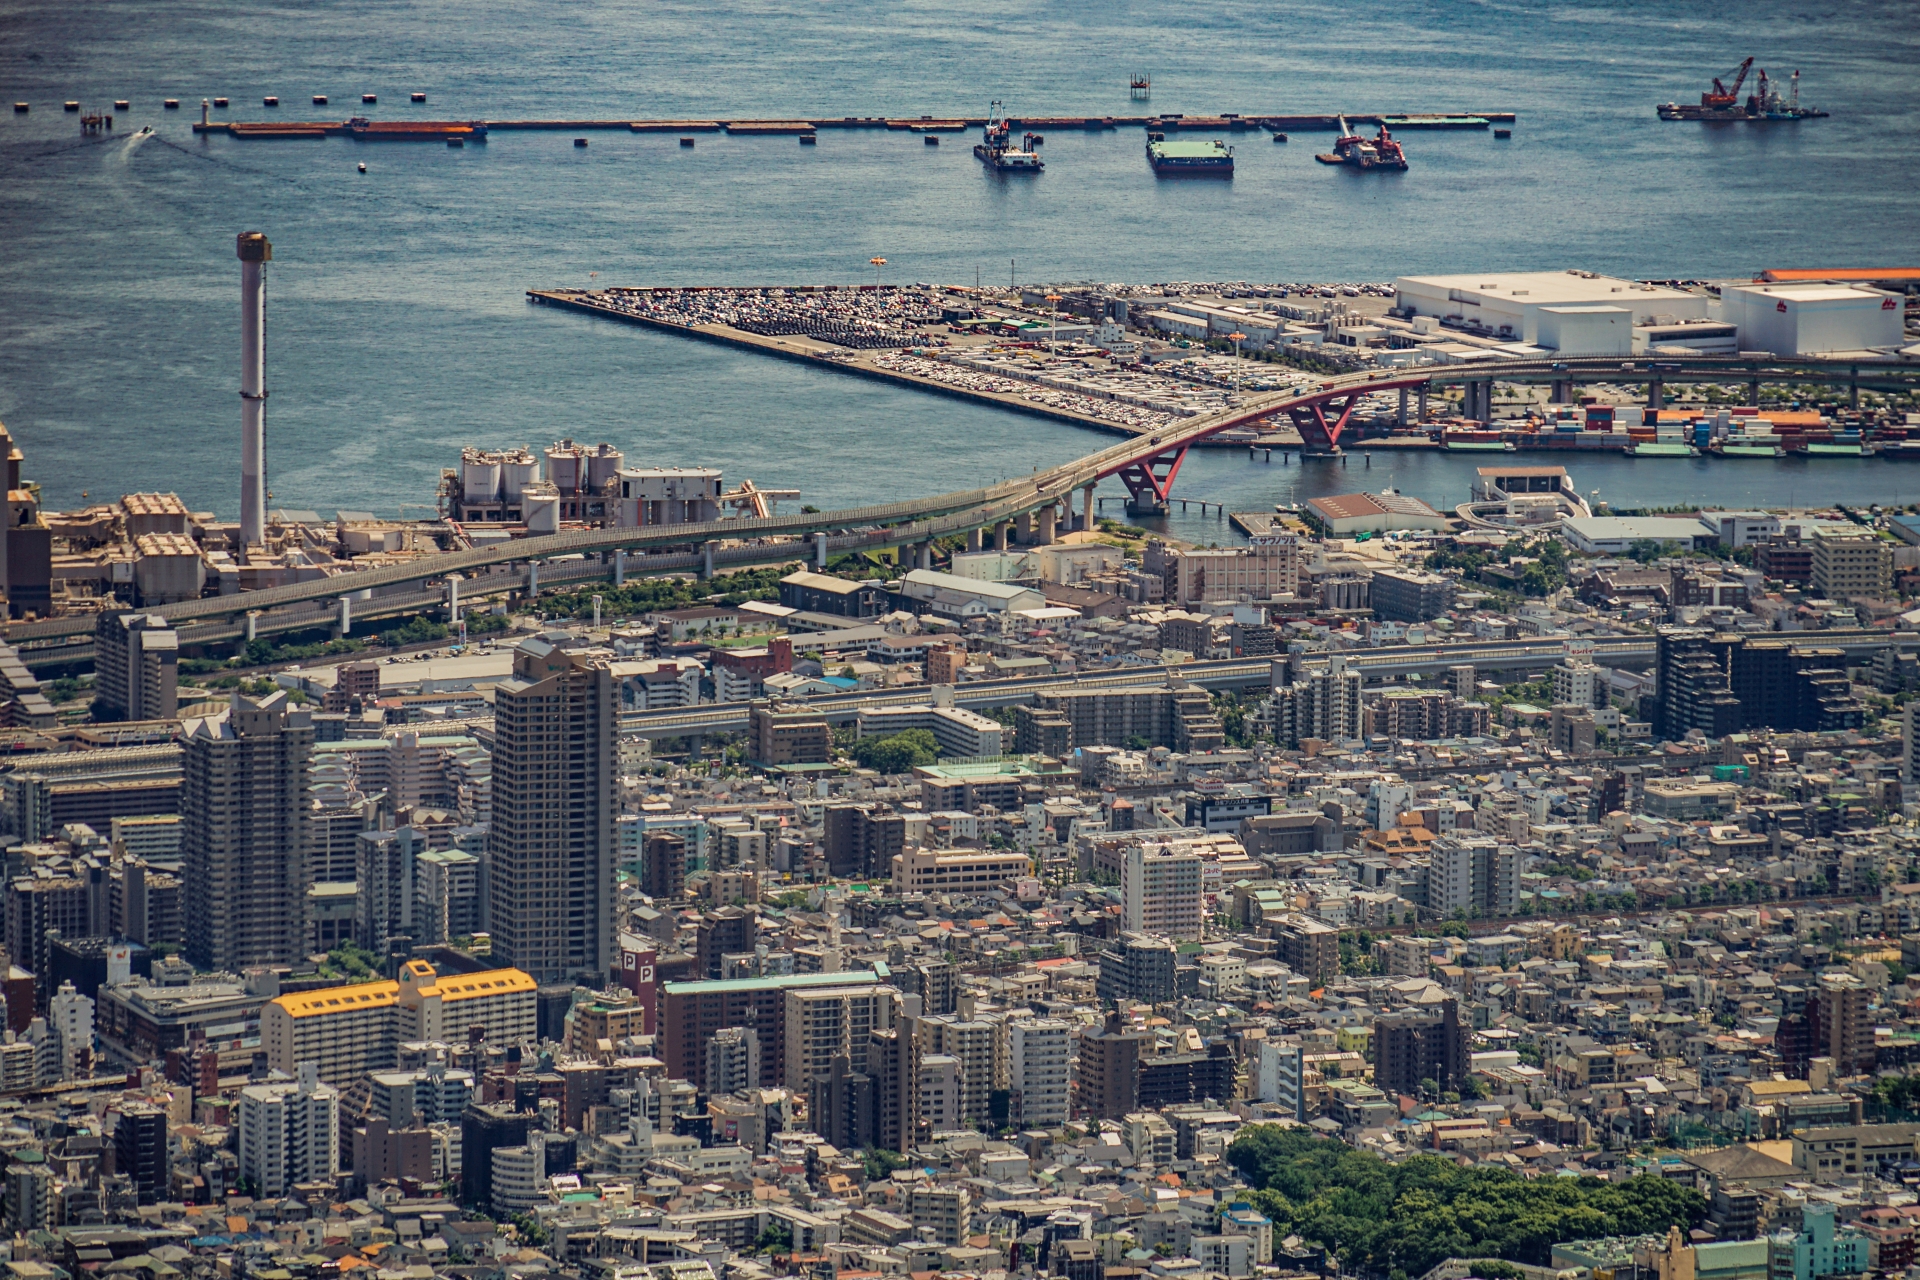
<point x="1542" y="307"/>
<point x="1812" y="319"/>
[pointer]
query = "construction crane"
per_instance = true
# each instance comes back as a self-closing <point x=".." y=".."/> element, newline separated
<point x="751" y="502"/>
<point x="1723" y="96"/>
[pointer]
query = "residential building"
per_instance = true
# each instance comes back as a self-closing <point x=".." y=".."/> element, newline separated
<point x="1852" y="568"/>
<point x="1160" y="888"/>
<point x="552" y="890"/>
<point x="1038" y="1050"/>
<point x="1415" y="1046"/>
<point x="968" y="871"/>
<point x="783" y="734"/>
<point x="136" y="667"/>
<point x="1404" y="596"/>
<point x="289" y="1133"/>
<point x="244" y="813"/>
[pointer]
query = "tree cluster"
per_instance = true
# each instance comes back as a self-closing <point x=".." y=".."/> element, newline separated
<point x="1383" y="1218"/>
<point x="898" y="752"/>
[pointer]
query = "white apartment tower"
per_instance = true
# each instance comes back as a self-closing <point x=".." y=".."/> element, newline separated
<point x="289" y="1133"/>
<point x="1160" y="891"/>
<point x="1038" y="1052"/>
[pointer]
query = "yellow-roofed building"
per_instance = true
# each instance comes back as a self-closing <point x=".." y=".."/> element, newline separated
<point x="349" y="1031"/>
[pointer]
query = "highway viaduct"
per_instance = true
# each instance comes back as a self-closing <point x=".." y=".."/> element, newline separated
<point x="1028" y="508"/>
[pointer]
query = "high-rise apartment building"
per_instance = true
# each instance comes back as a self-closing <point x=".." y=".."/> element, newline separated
<point x="136" y="667"/>
<point x="973" y="1046"/>
<point x="1326" y="704"/>
<point x="1137" y="966"/>
<point x="244" y="812"/>
<point x="140" y="1149"/>
<point x="1468" y="873"/>
<point x="1109" y="1081"/>
<point x="1160" y="890"/>
<point x="1411" y="1047"/>
<point x="552" y="891"/>
<point x="289" y="1133"/>
<point x="822" y="1023"/>
<point x="733" y="1060"/>
<point x="1407" y="596"/>
<point x="1038" y="1049"/>
<point x="663" y="865"/>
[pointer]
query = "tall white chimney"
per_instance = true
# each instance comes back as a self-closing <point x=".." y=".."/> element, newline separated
<point x="254" y="253"/>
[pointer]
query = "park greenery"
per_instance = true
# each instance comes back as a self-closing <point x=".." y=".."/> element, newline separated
<point x="653" y="594"/>
<point x="898" y="752"/>
<point x="1400" y="1219"/>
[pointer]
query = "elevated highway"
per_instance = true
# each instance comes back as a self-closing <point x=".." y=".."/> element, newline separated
<point x="1039" y="503"/>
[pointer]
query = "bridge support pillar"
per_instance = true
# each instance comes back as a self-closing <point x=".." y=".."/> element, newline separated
<point x="620" y="567"/>
<point x="1422" y="410"/>
<point x="923" y="556"/>
<point x="706" y="561"/>
<point x="253" y="622"/>
<point x="1656" y="394"/>
<point x="1753" y="392"/>
<point x="1086" y="509"/>
<point x="820" y="550"/>
<point x="976" y="539"/>
<point x="1023" y="528"/>
<point x="596" y="613"/>
<point x="1043" y="533"/>
<point x="1000" y="532"/>
<point x="1563" y="391"/>
<point x="453" y="599"/>
<point x="533" y="579"/>
<point x="1853" y="388"/>
<point x="695" y="741"/>
<point x="1403" y="406"/>
<point x="345" y="624"/>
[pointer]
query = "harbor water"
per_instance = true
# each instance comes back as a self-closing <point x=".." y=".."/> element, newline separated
<point x="398" y="329"/>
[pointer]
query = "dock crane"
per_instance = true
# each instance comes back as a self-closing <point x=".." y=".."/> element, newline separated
<point x="1723" y="96"/>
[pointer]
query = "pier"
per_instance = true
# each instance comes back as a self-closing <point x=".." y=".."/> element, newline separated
<point x="1223" y="122"/>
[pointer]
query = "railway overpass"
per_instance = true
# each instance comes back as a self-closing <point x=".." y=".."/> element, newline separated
<point x="1034" y="505"/>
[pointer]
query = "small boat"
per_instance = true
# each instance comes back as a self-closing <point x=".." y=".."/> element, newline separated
<point x="219" y="102"/>
<point x="269" y="101"/>
<point x="1661" y="449"/>
<point x="319" y="99"/>
<point x="1279" y="137"/>
<point x="369" y="97"/>
<point x="363" y="166"/>
<point x="419" y="97"/>
<point x="931" y="140"/>
<point x="579" y="142"/>
<point x="144" y="131"/>
<point x="1502" y="133"/>
<point x="121" y="104"/>
<point x="809" y="139"/>
<point x="686" y="142"/>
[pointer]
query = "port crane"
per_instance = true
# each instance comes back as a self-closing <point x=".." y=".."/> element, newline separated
<point x="1723" y="96"/>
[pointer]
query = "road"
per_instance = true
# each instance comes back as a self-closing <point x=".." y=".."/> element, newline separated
<point x="919" y="520"/>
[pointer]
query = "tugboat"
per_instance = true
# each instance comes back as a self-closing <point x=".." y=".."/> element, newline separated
<point x="1378" y="152"/>
<point x="996" y="150"/>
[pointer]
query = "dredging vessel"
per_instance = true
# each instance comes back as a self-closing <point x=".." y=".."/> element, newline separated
<point x="996" y="149"/>
<point x="1378" y="152"/>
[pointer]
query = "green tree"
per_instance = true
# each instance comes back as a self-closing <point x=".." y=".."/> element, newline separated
<point x="1379" y="1217"/>
<point x="777" y="1238"/>
<point x="898" y="752"/>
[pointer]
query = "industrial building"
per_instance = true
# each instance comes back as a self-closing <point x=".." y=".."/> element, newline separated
<point x="1573" y="307"/>
<point x="1813" y="319"/>
<point x="944" y="595"/>
<point x="1345" y="514"/>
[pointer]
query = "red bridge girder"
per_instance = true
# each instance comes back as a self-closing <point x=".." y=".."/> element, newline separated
<point x="1152" y="476"/>
<point x="1317" y="435"/>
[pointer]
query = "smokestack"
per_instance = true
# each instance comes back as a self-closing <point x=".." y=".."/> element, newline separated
<point x="254" y="253"/>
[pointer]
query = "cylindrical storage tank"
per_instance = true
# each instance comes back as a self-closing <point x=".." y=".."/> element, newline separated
<point x="564" y="466"/>
<point x="603" y="465"/>
<point x="479" y="475"/>
<point x="517" y="471"/>
<point x="541" y="507"/>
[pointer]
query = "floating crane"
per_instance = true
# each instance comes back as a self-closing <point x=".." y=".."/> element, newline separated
<point x="1723" y="102"/>
<point x="1723" y="96"/>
